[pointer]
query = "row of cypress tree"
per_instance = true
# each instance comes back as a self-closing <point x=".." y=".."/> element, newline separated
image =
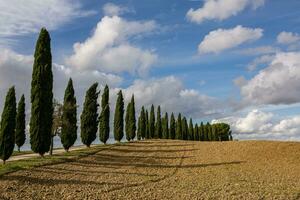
<point x="12" y="125"/>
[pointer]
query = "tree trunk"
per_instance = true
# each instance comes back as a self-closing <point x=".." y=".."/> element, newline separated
<point x="51" y="146"/>
<point x="3" y="162"/>
<point x="18" y="149"/>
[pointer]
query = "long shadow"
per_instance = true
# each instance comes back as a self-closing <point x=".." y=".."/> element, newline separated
<point x="148" y="165"/>
<point x="163" y="146"/>
<point x="110" y="156"/>
<point x="87" y="172"/>
<point x="52" y="182"/>
<point x="151" y="151"/>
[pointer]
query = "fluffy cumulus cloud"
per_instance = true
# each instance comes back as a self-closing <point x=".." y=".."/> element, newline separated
<point x="221" y="9"/>
<point x="30" y="15"/>
<point x="263" y="125"/>
<point x="222" y="39"/>
<point x="16" y="69"/>
<point x="108" y="48"/>
<point x="279" y="83"/>
<point x="170" y="93"/>
<point x="111" y="9"/>
<point x="288" y="38"/>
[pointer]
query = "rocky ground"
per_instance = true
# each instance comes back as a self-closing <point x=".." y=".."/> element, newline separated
<point x="165" y="169"/>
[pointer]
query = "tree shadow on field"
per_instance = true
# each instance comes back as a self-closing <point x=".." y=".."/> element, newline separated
<point x="156" y="145"/>
<point x="53" y="181"/>
<point x="113" y="156"/>
<point x="152" y="151"/>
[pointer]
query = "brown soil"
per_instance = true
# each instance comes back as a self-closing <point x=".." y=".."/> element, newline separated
<point x="165" y="169"/>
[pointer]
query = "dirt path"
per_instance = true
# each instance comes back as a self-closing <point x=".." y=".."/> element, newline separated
<point x="165" y="169"/>
<point x="34" y="155"/>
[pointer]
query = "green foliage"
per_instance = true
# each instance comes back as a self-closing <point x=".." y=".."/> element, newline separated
<point x="179" y="128"/>
<point x="142" y="124"/>
<point x="104" y="116"/>
<point x="165" y="127"/>
<point x="20" y="123"/>
<point x="172" y="127"/>
<point x="8" y="125"/>
<point x="196" y="133"/>
<point x="158" y="128"/>
<point x="191" y="130"/>
<point x="68" y="134"/>
<point x="89" y="116"/>
<point x="152" y="122"/>
<point x="147" y="134"/>
<point x="41" y="95"/>
<point x="127" y="122"/>
<point x="119" y="118"/>
<point x="132" y="119"/>
<point x="184" y="129"/>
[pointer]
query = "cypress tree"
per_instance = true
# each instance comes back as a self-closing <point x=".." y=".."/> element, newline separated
<point x="127" y="122"/>
<point x="147" y="135"/>
<point x="152" y="122"/>
<point x="143" y="123"/>
<point x="20" y="123"/>
<point x="104" y="116"/>
<point x="184" y="128"/>
<point x="196" y="133"/>
<point x="172" y="127"/>
<point x="132" y="119"/>
<point x="158" y="127"/>
<point x="165" y="126"/>
<point x="191" y="130"/>
<point x="178" y="128"/>
<point x="89" y="116"/>
<point x="139" y="136"/>
<point x="8" y="125"/>
<point x="41" y="95"/>
<point x="209" y="134"/>
<point x="119" y="118"/>
<point x="201" y="131"/>
<point x="69" y="118"/>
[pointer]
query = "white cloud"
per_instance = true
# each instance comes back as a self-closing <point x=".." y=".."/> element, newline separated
<point x="170" y="93"/>
<point x="288" y="38"/>
<point x="259" y="50"/>
<point x="263" y="125"/>
<point x="16" y="69"/>
<point x="110" y="9"/>
<point x="19" y="17"/>
<point x="279" y="83"/>
<point x="260" y="60"/>
<point x="221" y="9"/>
<point x="109" y="50"/>
<point x="222" y="39"/>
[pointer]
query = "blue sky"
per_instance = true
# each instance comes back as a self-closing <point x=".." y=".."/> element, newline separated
<point x="214" y="60"/>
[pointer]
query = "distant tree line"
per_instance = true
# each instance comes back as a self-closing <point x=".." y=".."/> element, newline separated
<point x="50" y="118"/>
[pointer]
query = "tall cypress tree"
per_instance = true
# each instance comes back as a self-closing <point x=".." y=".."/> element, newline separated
<point x="68" y="134"/>
<point x="20" y="123"/>
<point x="147" y="135"/>
<point x="89" y="116"/>
<point x="143" y="123"/>
<point x="41" y="95"/>
<point x="127" y="122"/>
<point x="201" y="132"/>
<point x="179" y="128"/>
<point x="119" y="118"/>
<point x="138" y="134"/>
<point x="104" y="116"/>
<point x="172" y="127"/>
<point x="152" y="122"/>
<point x="158" y="127"/>
<point x="196" y="133"/>
<point x="165" y="126"/>
<point x="132" y="119"/>
<point x="184" y="128"/>
<point x="191" y="130"/>
<point x="8" y="125"/>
